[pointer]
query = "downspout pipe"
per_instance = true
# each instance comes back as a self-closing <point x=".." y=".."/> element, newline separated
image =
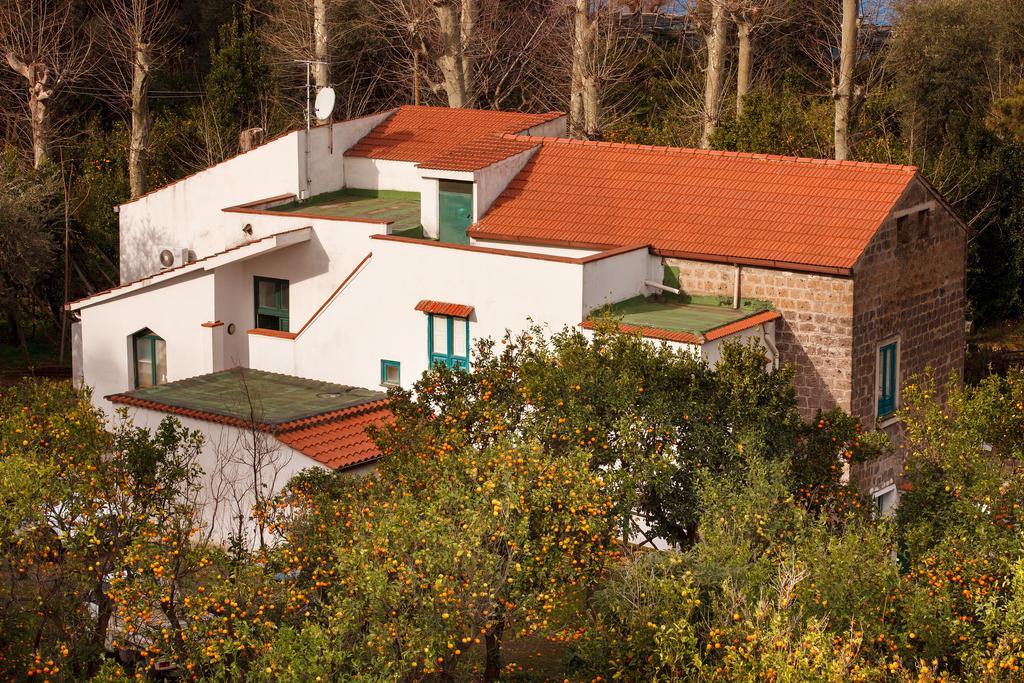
<point x="736" y="287"/>
<point x="658" y="285"/>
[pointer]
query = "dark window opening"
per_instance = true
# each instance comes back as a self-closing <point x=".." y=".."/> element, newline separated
<point x="271" y="299"/>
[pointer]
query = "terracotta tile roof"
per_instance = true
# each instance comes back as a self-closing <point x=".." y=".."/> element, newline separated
<point x="334" y="436"/>
<point x="689" y="337"/>
<point x="443" y="308"/>
<point x="341" y="442"/>
<point x="649" y="332"/>
<point x="422" y="133"/>
<point x="694" y="203"/>
<point x="479" y="153"/>
<point x="740" y="325"/>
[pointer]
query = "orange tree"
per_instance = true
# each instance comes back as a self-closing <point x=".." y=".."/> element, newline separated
<point x="74" y="498"/>
<point x="446" y="549"/>
<point x="960" y="526"/>
<point x="652" y="418"/>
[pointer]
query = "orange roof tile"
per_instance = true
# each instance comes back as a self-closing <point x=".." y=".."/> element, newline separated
<point x="342" y="442"/>
<point x="718" y="206"/>
<point x="740" y="325"/>
<point x="337" y="439"/>
<point x="443" y="308"/>
<point x="689" y="337"/>
<point x="650" y="332"/>
<point x="479" y="153"/>
<point x="427" y="133"/>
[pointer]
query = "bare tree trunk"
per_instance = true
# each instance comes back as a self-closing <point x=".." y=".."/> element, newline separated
<point x="715" y="73"/>
<point x="467" y="26"/>
<point x="36" y="76"/>
<point x="745" y="64"/>
<point x="450" y="60"/>
<point x="582" y="113"/>
<point x="322" y="69"/>
<point x="843" y="94"/>
<point x="139" y="145"/>
<point x="591" y="108"/>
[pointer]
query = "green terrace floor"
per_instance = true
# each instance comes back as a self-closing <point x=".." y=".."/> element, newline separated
<point x="256" y="396"/>
<point x="402" y="209"/>
<point x="683" y="313"/>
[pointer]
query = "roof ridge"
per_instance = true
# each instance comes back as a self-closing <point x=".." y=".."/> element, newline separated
<point x="755" y="156"/>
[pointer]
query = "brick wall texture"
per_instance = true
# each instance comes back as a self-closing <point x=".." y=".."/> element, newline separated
<point x="908" y="286"/>
<point x="815" y="332"/>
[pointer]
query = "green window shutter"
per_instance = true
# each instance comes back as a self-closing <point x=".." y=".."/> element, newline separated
<point x="150" y="359"/>
<point x="270" y="303"/>
<point x="888" y="382"/>
<point x="448" y="341"/>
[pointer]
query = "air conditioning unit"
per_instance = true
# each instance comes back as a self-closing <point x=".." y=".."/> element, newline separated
<point x="172" y="257"/>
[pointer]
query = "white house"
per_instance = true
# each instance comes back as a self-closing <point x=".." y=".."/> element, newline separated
<point x="358" y="254"/>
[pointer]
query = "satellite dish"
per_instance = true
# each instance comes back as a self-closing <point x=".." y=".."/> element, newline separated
<point x="324" y="103"/>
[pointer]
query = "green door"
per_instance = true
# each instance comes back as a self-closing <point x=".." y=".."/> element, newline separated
<point x="455" y="210"/>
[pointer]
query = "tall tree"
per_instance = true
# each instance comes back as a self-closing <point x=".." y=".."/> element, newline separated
<point x="138" y="37"/>
<point x="305" y="31"/>
<point x="749" y="16"/>
<point x="716" y="36"/>
<point x="457" y="21"/>
<point x="42" y="42"/>
<point x="843" y="92"/>
<point x="584" y="103"/>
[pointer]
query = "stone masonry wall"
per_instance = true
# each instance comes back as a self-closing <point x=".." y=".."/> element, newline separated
<point x="910" y="286"/>
<point x="815" y="332"/>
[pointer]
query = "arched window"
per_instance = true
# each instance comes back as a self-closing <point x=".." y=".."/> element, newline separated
<point x="149" y="358"/>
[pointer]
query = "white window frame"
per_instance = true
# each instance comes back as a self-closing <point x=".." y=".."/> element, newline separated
<point x="886" y="420"/>
<point x="885" y="490"/>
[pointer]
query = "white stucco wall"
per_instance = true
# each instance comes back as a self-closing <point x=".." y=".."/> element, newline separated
<point x="174" y="310"/>
<point x="227" y="480"/>
<point x="712" y="350"/>
<point x="187" y="213"/>
<point x="550" y="250"/>
<point x="555" y="128"/>
<point x="616" y="278"/>
<point x="327" y="146"/>
<point x="374" y="318"/>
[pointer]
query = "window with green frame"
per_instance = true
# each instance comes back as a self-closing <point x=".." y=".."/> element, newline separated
<point x="448" y="341"/>
<point x="390" y="373"/>
<point x="270" y="297"/>
<point x="888" y="381"/>
<point x="149" y="359"/>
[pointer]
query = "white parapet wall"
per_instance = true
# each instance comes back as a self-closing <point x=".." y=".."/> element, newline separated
<point x="187" y="214"/>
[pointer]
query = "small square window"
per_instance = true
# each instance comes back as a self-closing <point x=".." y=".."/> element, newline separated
<point x="885" y="501"/>
<point x="390" y="373"/>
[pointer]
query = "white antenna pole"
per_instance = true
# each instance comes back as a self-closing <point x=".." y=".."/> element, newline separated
<point x="309" y="114"/>
<point x="309" y="181"/>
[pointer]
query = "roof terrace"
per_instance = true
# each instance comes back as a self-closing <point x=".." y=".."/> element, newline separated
<point x="684" y="318"/>
<point x="401" y="209"/>
<point x="244" y="396"/>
